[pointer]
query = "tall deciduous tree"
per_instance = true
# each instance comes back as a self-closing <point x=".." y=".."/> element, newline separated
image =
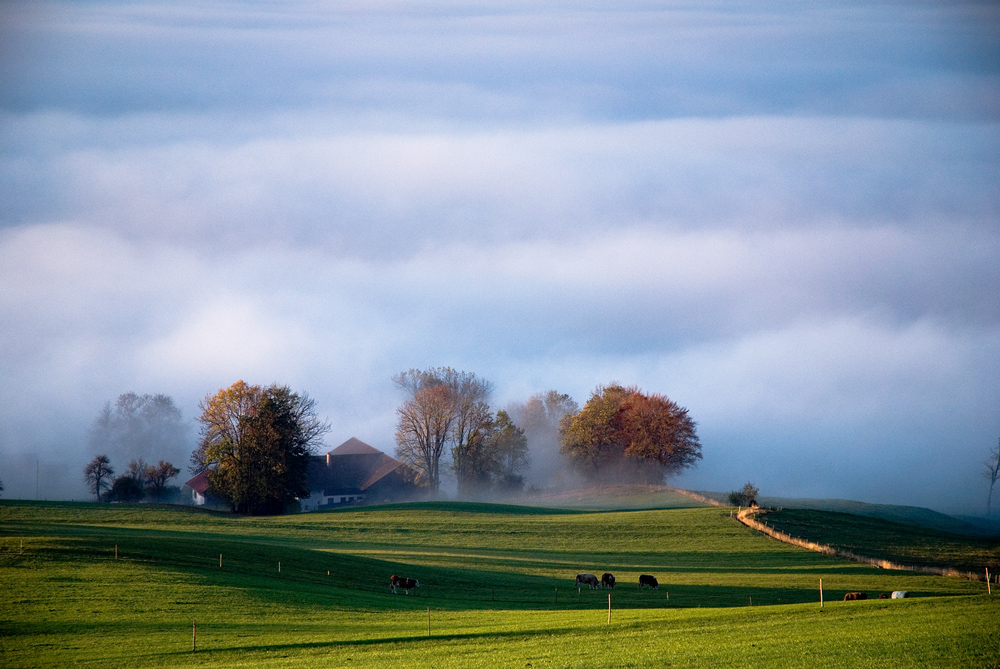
<point x="474" y="459"/>
<point x="98" y="474"/>
<point x="624" y="434"/>
<point x="492" y="458"/>
<point x="991" y="470"/>
<point x="511" y="447"/>
<point x="256" y="443"/>
<point x="139" y="426"/>
<point x="443" y="406"/>
<point x="540" y="417"/>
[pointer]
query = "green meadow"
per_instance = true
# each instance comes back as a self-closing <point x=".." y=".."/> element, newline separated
<point x="496" y="590"/>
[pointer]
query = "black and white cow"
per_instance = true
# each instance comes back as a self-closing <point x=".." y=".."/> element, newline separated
<point x="587" y="579"/>
<point x="648" y="581"/>
<point x="406" y="584"/>
<point x="608" y="580"/>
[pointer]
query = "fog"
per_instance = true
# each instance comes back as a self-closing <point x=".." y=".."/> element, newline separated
<point x="784" y="216"/>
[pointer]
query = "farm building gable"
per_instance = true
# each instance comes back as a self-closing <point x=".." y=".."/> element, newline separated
<point x="355" y="472"/>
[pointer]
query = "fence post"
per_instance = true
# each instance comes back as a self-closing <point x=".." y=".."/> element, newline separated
<point x="194" y="634"/>
<point x="820" y="593"/>
<point x="989" y="590"/>
<point x="609" y="608"/>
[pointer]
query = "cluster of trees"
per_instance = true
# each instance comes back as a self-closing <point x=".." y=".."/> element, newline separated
<point x="447" y="412"/>
<point x="134" y="427"/>
<point x="140" y="426"/>
<point x="138" y="482"/>
<point x="621" y="433"/>
<point x="745" y="497"/>
<point x="256" y="441"/>
<point x="625" y="435"/>
<point x="255" y="444"/>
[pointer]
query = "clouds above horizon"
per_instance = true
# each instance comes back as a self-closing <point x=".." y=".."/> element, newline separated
<point x="784" y="216"/>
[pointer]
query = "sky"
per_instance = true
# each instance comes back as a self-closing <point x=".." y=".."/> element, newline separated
<point x="785" y="216"/>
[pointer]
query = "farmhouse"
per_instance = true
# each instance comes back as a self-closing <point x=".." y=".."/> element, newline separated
<point x="355" y="472"/>
<point x="199" y="487"/>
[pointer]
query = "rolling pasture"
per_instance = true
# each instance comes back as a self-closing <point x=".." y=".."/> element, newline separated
<point x="496" y="590"/>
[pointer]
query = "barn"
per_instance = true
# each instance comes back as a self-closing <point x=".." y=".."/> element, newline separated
<point x="199" y="488"/>
<point x="356" y="472"/>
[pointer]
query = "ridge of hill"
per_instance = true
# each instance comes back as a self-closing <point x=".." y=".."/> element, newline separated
<point x="909" y="515"/>
<point x="645" y="496"/>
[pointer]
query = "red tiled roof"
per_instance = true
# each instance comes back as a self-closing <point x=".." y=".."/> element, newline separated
<point x="199" y="483"/>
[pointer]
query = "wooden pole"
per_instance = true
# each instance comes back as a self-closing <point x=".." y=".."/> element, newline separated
<point x="751" y="601"/>
<point x="116" y="551"/>
<point x="609" y="608"/>
<point x="820" y="593"/>
<point x="279" y="567"/>
<point x="989" y="590"/>
<point x="194" y="635"/>
<point x="220" y="560"/>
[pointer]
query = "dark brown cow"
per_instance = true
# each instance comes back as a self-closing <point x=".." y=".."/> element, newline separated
<point x="406" y="584"/>
<point x="587" y="579"/>
<point x="882" y="595"/>
<point x="608" y="580"/>
<point x="854" y="596"/>
<point x="650" y="581"/>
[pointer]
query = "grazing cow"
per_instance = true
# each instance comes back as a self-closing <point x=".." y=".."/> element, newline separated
<point x="882" y="595"/>
<point x="900" y="594"/>
<point x="608" y="580"/>
<point x="587" y="579"/>
<point x="406" y="584"/>
<point x="854" y="596"/>
<point x="647" y="580"/>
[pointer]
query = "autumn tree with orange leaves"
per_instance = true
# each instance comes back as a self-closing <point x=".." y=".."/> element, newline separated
<point x="256" y="442"/>
<point x="625" y="435"/>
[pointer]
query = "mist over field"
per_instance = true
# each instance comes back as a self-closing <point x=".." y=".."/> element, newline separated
<point x="784" y="216"/>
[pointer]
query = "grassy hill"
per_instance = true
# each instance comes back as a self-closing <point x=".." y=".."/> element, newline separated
<point x="495" y="581"/>
<point x="913" y="515"/>
<point x="903" y="543"/>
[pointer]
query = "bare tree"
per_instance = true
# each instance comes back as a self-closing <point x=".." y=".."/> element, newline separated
<point x="97" y="474"/>
<point x="444" y="406"/>
<point x="991" y="471"/>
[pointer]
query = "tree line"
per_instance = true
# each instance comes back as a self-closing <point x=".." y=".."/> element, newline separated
<point x="621" y="434"/>
<point x="256" y="441"/>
